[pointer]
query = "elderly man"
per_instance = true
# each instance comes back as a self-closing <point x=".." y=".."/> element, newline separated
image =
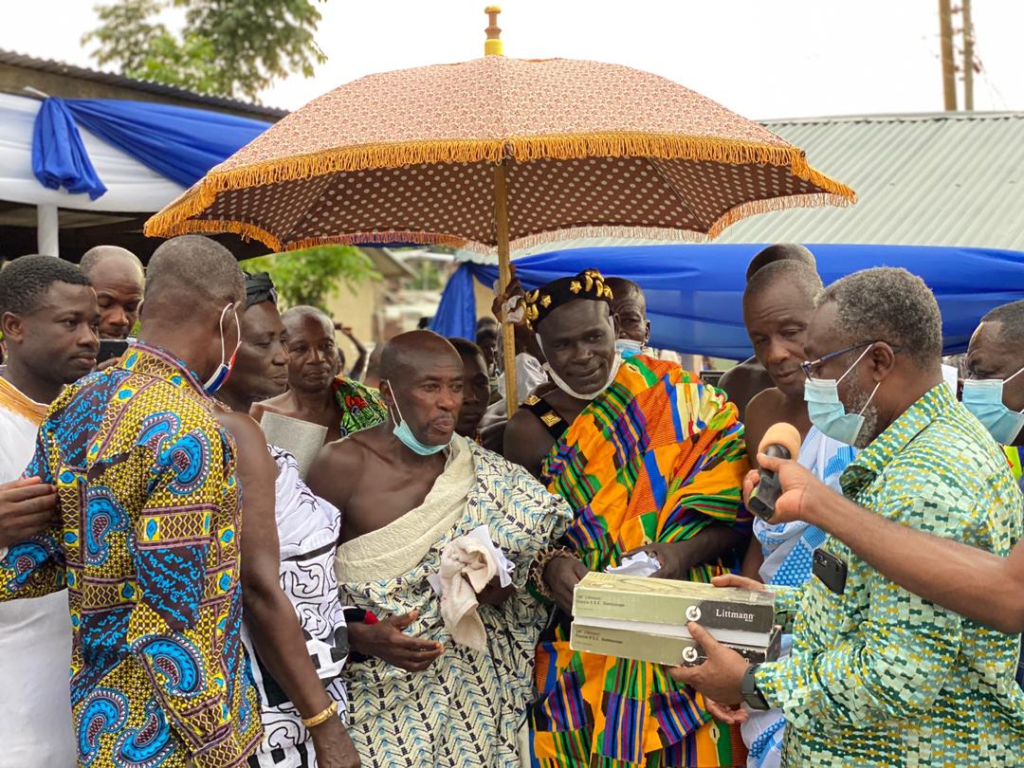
<point x="410" y="491"/>
<point x="879" y="676"/>
<point x="749" y="378"/>
<point x="49" y="318"/>
<point x="942" y="570"/>
<point x="629" y="305"/>
<point x="777" y="307"/>
<point x="318" y="392"/>
<point x="650" y="459"/>
<point x="118" y="278"/>
<point x="147" y="539"/>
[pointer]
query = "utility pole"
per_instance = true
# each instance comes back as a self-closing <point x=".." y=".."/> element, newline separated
<point x="968" y="57"/>
<point x="948" y="64"/>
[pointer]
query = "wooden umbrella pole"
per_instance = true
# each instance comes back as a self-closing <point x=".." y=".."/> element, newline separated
<point x="504" y="278"/>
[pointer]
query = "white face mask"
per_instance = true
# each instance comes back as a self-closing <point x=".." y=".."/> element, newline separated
<point x="562" y="385"/>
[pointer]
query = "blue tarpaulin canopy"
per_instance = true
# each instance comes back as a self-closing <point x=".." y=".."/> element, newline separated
<point x="179" y="143"/>
<point x="694" y="292"/>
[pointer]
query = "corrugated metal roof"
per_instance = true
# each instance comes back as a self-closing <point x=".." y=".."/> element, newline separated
<point x="52" y="67"/>
<point x="949" y="178"/>
<point x="954" y="179"/>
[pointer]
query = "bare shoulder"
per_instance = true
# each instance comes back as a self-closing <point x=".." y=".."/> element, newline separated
<point x="249" y="437"/>
<point x="272" y="405"/>
<point x="337" y="469"/>
<point x="526" y="441"/>
<point x="762" y="411"/>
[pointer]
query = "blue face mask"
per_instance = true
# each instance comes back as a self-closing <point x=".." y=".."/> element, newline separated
<point x="219" y="376"/>
<point x="984" y="399"/>
<point x="628" y="348"/>
<point x="827" y="411"/>
<point x="408" y="439"/>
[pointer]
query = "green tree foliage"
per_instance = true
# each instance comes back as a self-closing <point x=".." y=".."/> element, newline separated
<point x="312" y="275"/>
<point x="233" y="48"/>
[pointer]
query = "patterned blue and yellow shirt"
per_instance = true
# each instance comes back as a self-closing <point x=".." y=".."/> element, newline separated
<point x="148" y="548"/>
<point x="878" y="676"/>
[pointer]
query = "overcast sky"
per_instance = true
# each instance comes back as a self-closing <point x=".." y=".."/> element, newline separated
<point x="762" y="58"/>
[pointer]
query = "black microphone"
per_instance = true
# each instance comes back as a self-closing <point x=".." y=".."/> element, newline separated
<point x="781" y="441"/>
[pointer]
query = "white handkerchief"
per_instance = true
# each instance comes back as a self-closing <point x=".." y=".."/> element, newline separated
<point x="640" y="564"/>
<point x="505" y="568"/>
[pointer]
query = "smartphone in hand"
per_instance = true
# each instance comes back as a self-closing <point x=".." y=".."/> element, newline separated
<point x="110" y="348"/>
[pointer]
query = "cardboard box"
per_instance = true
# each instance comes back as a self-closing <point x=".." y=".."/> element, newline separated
<point x="670" y="602"/>
<point x="668" y="649"/>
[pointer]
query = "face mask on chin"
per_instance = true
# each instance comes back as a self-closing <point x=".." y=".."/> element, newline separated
<point x="827" y="411"/>
<point x="404" y="433"/>
<point x="220" y="375"/>
<point x="984" y="399"/>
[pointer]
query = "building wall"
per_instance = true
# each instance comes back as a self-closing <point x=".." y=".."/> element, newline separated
<point x="359" y="311"/>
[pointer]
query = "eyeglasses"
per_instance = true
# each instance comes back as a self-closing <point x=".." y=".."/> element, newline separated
<point x="810" y="367"/>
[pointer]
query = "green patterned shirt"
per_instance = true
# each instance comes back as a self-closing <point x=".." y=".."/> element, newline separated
<point x="361" y="407"/>
<point x="878" y="676"/>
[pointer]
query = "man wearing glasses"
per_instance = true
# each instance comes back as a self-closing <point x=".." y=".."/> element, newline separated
<point x="879" y="676"/>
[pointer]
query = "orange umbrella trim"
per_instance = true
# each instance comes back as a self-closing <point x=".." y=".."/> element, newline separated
<point x="176" y="218"/>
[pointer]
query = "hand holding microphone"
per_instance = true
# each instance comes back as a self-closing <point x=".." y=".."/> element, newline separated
<point x="781" y="441"/>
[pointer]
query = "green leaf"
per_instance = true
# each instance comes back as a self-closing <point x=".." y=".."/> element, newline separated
<point x="233" y="48"/>
<point x="311" y="275"/>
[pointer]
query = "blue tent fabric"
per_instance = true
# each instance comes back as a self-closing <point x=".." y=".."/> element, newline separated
<point x="694" y="292"/>
<point x="179" y="143"/>
<point x="456" y="314"/>
<point x="59" y="157"/>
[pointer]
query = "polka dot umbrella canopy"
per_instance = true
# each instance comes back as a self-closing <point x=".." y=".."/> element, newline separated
<point x="498" y="154"/>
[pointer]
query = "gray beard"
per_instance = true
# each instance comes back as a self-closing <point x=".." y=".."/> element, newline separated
<point x="868" y="433"/>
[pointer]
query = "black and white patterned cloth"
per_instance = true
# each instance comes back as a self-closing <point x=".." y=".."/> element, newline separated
<point x="308" y="528"/>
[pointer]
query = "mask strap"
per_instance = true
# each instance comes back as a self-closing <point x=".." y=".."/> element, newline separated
<point x="223" y="346"/>
<point x="873" y="391"/>
<point x="238" y="330"/>
<point x="856" y="363"/>
<point x="394" y="399"/>
<point x="1011" y="378"/>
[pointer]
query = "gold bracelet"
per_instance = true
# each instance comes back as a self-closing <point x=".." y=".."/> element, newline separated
<point x="540" y="563"/>
<point x="323" y="717"/>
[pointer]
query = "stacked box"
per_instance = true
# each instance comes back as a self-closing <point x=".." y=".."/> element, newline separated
<point x="645" y="619"/>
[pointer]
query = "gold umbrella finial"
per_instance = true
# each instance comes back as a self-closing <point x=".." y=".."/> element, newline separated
<point x="493" y="45"/>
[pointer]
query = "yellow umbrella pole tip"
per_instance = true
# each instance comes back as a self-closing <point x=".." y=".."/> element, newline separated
<point x="493" y="45"/>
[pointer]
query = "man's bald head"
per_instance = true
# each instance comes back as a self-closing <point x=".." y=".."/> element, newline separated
<point x="411" y="352"/>
<point x="102" y="253"/>
<point x="781" y="252"/>
<point x="422" y="379"/>
<point x="793" y="273"/>
<point x="119" y="279"/>
<point x="296" y="315"/>
<point x="192" y="274"/>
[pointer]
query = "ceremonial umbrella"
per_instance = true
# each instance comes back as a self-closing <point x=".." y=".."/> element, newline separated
<point x="497" y="154"/>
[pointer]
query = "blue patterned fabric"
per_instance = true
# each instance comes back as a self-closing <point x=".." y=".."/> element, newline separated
<point x="147" y="547"/>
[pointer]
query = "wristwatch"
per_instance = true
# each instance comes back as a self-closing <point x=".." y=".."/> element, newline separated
<point x="748" y="688"/>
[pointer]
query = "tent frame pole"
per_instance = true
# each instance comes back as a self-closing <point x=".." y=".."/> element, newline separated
<point x="504" y="278"/>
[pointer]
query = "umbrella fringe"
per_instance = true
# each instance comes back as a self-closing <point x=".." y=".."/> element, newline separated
<point x="772" y="204"/>
<point x="170" y="221"/>
<point x="730" y="217"/>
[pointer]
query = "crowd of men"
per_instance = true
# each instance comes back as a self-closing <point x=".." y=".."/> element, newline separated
<point x="408" y="600"/>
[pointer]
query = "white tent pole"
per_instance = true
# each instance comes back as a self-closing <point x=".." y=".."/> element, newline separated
<point x="47" y="230"/>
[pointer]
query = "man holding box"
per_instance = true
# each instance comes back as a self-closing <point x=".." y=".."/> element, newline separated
<point x="879" y="676"/>
<point x="650" y="459"/>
